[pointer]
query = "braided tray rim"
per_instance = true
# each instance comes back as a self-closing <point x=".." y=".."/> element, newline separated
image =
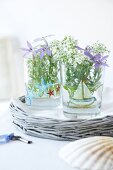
<point x="59" y="129"/>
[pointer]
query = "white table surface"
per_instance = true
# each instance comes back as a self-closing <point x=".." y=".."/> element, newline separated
<point x="43" y="153"/>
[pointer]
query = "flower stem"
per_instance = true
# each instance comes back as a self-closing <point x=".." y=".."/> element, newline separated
<point x="82" y="90"/>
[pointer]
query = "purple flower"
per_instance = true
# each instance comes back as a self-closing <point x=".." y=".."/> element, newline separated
<point x="101" y="62"/>
<point x="43" y="51"/>
<point x="79" y="48"/>
<point x="92" y="58"/>
<point x="88" y="48"/>
<point x="29" y="49"/>
<point x="45" y="48"/>
<point x="97" y="59"/>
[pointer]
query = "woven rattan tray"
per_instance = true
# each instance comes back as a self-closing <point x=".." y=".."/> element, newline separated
<point x="57" y="126"/>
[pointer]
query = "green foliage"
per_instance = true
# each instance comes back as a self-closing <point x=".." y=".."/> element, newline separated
<point x="45" y="68"/>
<point x="82" y="72"/>
<point x="79" y="67"/>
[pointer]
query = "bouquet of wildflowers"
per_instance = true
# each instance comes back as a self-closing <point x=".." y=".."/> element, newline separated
<point x="83" y="67"/>
<point x="42" y="69"/>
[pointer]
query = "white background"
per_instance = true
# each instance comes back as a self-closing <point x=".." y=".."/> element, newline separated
<point x="86" y="20"/>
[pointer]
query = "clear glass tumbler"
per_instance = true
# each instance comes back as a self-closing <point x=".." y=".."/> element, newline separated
<point x="82" y="90"/>
<point x="42" y="82"/>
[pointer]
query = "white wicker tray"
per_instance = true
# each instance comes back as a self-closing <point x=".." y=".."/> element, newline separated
<point x="57" y="126"/>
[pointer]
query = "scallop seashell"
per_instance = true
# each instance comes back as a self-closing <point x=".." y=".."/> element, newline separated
<point x="94" y="153"/>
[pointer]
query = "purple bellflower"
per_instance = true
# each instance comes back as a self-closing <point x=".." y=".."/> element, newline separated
<point x="79" y="48"/>
<point x="97" y="59"/>
<point x="29" y="50"/>
<point x="43" y="51"/>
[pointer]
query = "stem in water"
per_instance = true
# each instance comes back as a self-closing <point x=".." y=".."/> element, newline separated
<point x="82" y="90"/>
